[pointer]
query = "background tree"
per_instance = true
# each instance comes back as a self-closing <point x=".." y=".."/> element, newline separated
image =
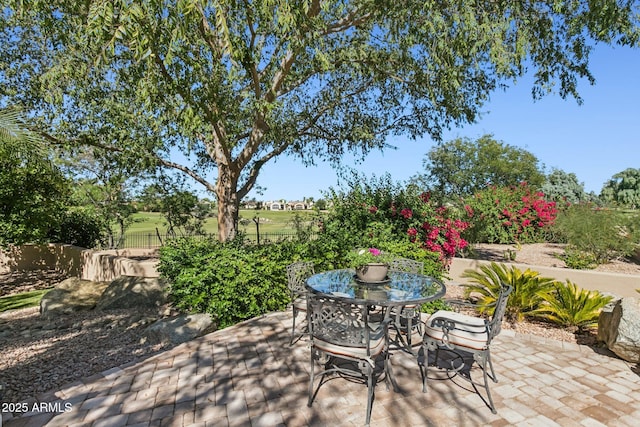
<point x="462" y="167"/>
<point x="183" y="213"/>
<point x="104" y="187"/>
<point x="232" y="85"/>
<point x="561" y="186"/>
<point x="33" y="190"/>
<point x="623" y="189"/>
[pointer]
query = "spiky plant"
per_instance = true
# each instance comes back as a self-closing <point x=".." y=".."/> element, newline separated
<point x="570" y="306"/>
<point x="525" y="296"/>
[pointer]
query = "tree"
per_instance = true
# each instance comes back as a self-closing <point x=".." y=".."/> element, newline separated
<point x="462" y="167"/>
<point x="234" y="84"/>
<point x="183" y="213"/>
<point x="564" y="187"/>
<point x="103" y="186"/>
<point x="623" y="188"/>
<point x="33" y="190"/>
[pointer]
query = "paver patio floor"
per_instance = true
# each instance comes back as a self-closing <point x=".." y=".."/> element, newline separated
<point x="248" y="375"/>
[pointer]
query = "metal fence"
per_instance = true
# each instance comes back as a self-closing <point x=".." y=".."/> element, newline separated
<point x="151" y="240"/>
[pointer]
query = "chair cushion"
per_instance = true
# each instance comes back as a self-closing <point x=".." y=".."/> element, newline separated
<point x="377" y="346"/>
<point x="469" y="331"/>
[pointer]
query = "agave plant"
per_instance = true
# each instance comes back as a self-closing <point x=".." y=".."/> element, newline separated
<point x="526" y="294"/>
<point x="570" y="306"/>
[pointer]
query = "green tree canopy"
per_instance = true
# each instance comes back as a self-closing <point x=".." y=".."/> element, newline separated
<point x="561" y="186"/>
<point x="462" y="167"/>
<point x="33" y="190"/>
<point x="231" y="85"/>
<point x="623" y="189"/>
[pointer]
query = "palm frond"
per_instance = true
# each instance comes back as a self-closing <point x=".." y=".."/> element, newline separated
<point x="524" y="298"/>
<point x="569" y="305"/>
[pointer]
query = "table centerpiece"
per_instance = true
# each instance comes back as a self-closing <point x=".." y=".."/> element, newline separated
<point x="371" y="264"/>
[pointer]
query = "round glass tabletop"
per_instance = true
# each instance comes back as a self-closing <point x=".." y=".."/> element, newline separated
<point x="400" y="288"/>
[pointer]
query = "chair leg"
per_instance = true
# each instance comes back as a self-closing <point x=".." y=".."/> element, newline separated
<point x="424" y="368"/>
<point x="369" y="394"/>
<point x="293" y="327"/>
<point x="483" y="360"/>
<point x="311" y="378"/>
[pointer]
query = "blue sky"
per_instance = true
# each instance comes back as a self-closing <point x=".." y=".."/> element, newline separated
<point x="594" y="140"/>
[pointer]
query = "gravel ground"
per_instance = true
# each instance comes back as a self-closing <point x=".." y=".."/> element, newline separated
<point x="38" y="355"/>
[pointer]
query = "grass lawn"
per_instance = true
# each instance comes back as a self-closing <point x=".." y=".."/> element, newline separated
<point x="24" y="300"/>
<point x="270" y="222"/>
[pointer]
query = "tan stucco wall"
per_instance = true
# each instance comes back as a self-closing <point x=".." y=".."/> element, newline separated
<point x="80" y="262"/>
<point x="623" y="285"/>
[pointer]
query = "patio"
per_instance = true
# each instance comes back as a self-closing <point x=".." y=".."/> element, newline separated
<point x="248" y="375"/>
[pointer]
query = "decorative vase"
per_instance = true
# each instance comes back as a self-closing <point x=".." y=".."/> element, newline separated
<point x="374" y="272"/>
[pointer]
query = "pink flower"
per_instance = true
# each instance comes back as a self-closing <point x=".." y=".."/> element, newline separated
<point x="373" y="209"/>
<point x="374" y="251"/>
<point x="407" y="213"/>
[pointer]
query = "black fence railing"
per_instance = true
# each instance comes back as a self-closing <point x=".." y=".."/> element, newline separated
<point x="150" y="240"/>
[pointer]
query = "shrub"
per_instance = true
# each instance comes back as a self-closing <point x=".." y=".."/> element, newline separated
<point x="230" y="281"/>
<point x="507" y="215"/>
<point x="570" y="306"/>
<point x="524" y="298"/>
<point x="378" y="211"/>
<point x="433" y="306"/>
<point x="603" y="233"/>
<point x="578" y="260"/>
<point x="80" y="227"/>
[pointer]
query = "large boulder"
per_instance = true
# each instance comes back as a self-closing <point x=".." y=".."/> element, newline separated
<point x="619" y="328"/>
<point x="179" y="329"/>
<point x="71" y="295"/>
<point x="134" y="292"/>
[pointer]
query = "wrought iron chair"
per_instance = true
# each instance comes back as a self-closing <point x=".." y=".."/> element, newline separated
<point x="463" y="333"/>
<point x="407" y="318"/>
<point x="297" y="274"/>
<point x="344" y="342"/>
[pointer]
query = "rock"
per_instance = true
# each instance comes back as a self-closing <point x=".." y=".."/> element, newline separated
<point x="179" y="329"/>
<point x="134" y="292"/>
<point x="619" y="328"/>
<point x="71" y="295"/>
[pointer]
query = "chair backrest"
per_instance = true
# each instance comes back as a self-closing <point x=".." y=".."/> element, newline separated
<point x="297" y="274"/>
<point x="406" y="265"/>
<point x="338" y="321"/>
<point x="495" y="324"/>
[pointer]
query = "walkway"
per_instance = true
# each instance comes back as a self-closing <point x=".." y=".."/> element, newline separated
<point x="248" y="375"/>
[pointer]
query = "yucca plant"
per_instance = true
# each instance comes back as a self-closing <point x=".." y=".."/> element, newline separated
<point x="570" y="306"/>
<point x="525" y="296"/>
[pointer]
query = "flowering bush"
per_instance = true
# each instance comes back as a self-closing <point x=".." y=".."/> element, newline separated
<point x="362" y="257"/>
<point x="379" y="213"/>
<point x="514" y="214"/>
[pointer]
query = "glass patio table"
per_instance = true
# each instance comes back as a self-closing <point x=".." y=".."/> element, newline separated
<point x="399" y="290"/>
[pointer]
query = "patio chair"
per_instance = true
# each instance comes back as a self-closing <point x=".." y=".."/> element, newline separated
<point x="407" y="318"/>
<point x="297" y="274"/>
<point x="344" y="342"/>
<point x="462" y="333"/>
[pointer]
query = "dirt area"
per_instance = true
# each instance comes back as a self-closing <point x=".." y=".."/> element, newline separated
<point x="546" y="255"/>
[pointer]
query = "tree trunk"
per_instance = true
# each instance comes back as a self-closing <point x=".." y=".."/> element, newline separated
<point x="228" y="203"/>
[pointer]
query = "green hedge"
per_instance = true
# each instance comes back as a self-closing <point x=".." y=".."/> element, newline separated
<point x="230" y="281"/>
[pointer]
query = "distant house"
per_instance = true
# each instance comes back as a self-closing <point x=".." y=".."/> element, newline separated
<point x="298" y="206"/>
<point x="276" y="206"/>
